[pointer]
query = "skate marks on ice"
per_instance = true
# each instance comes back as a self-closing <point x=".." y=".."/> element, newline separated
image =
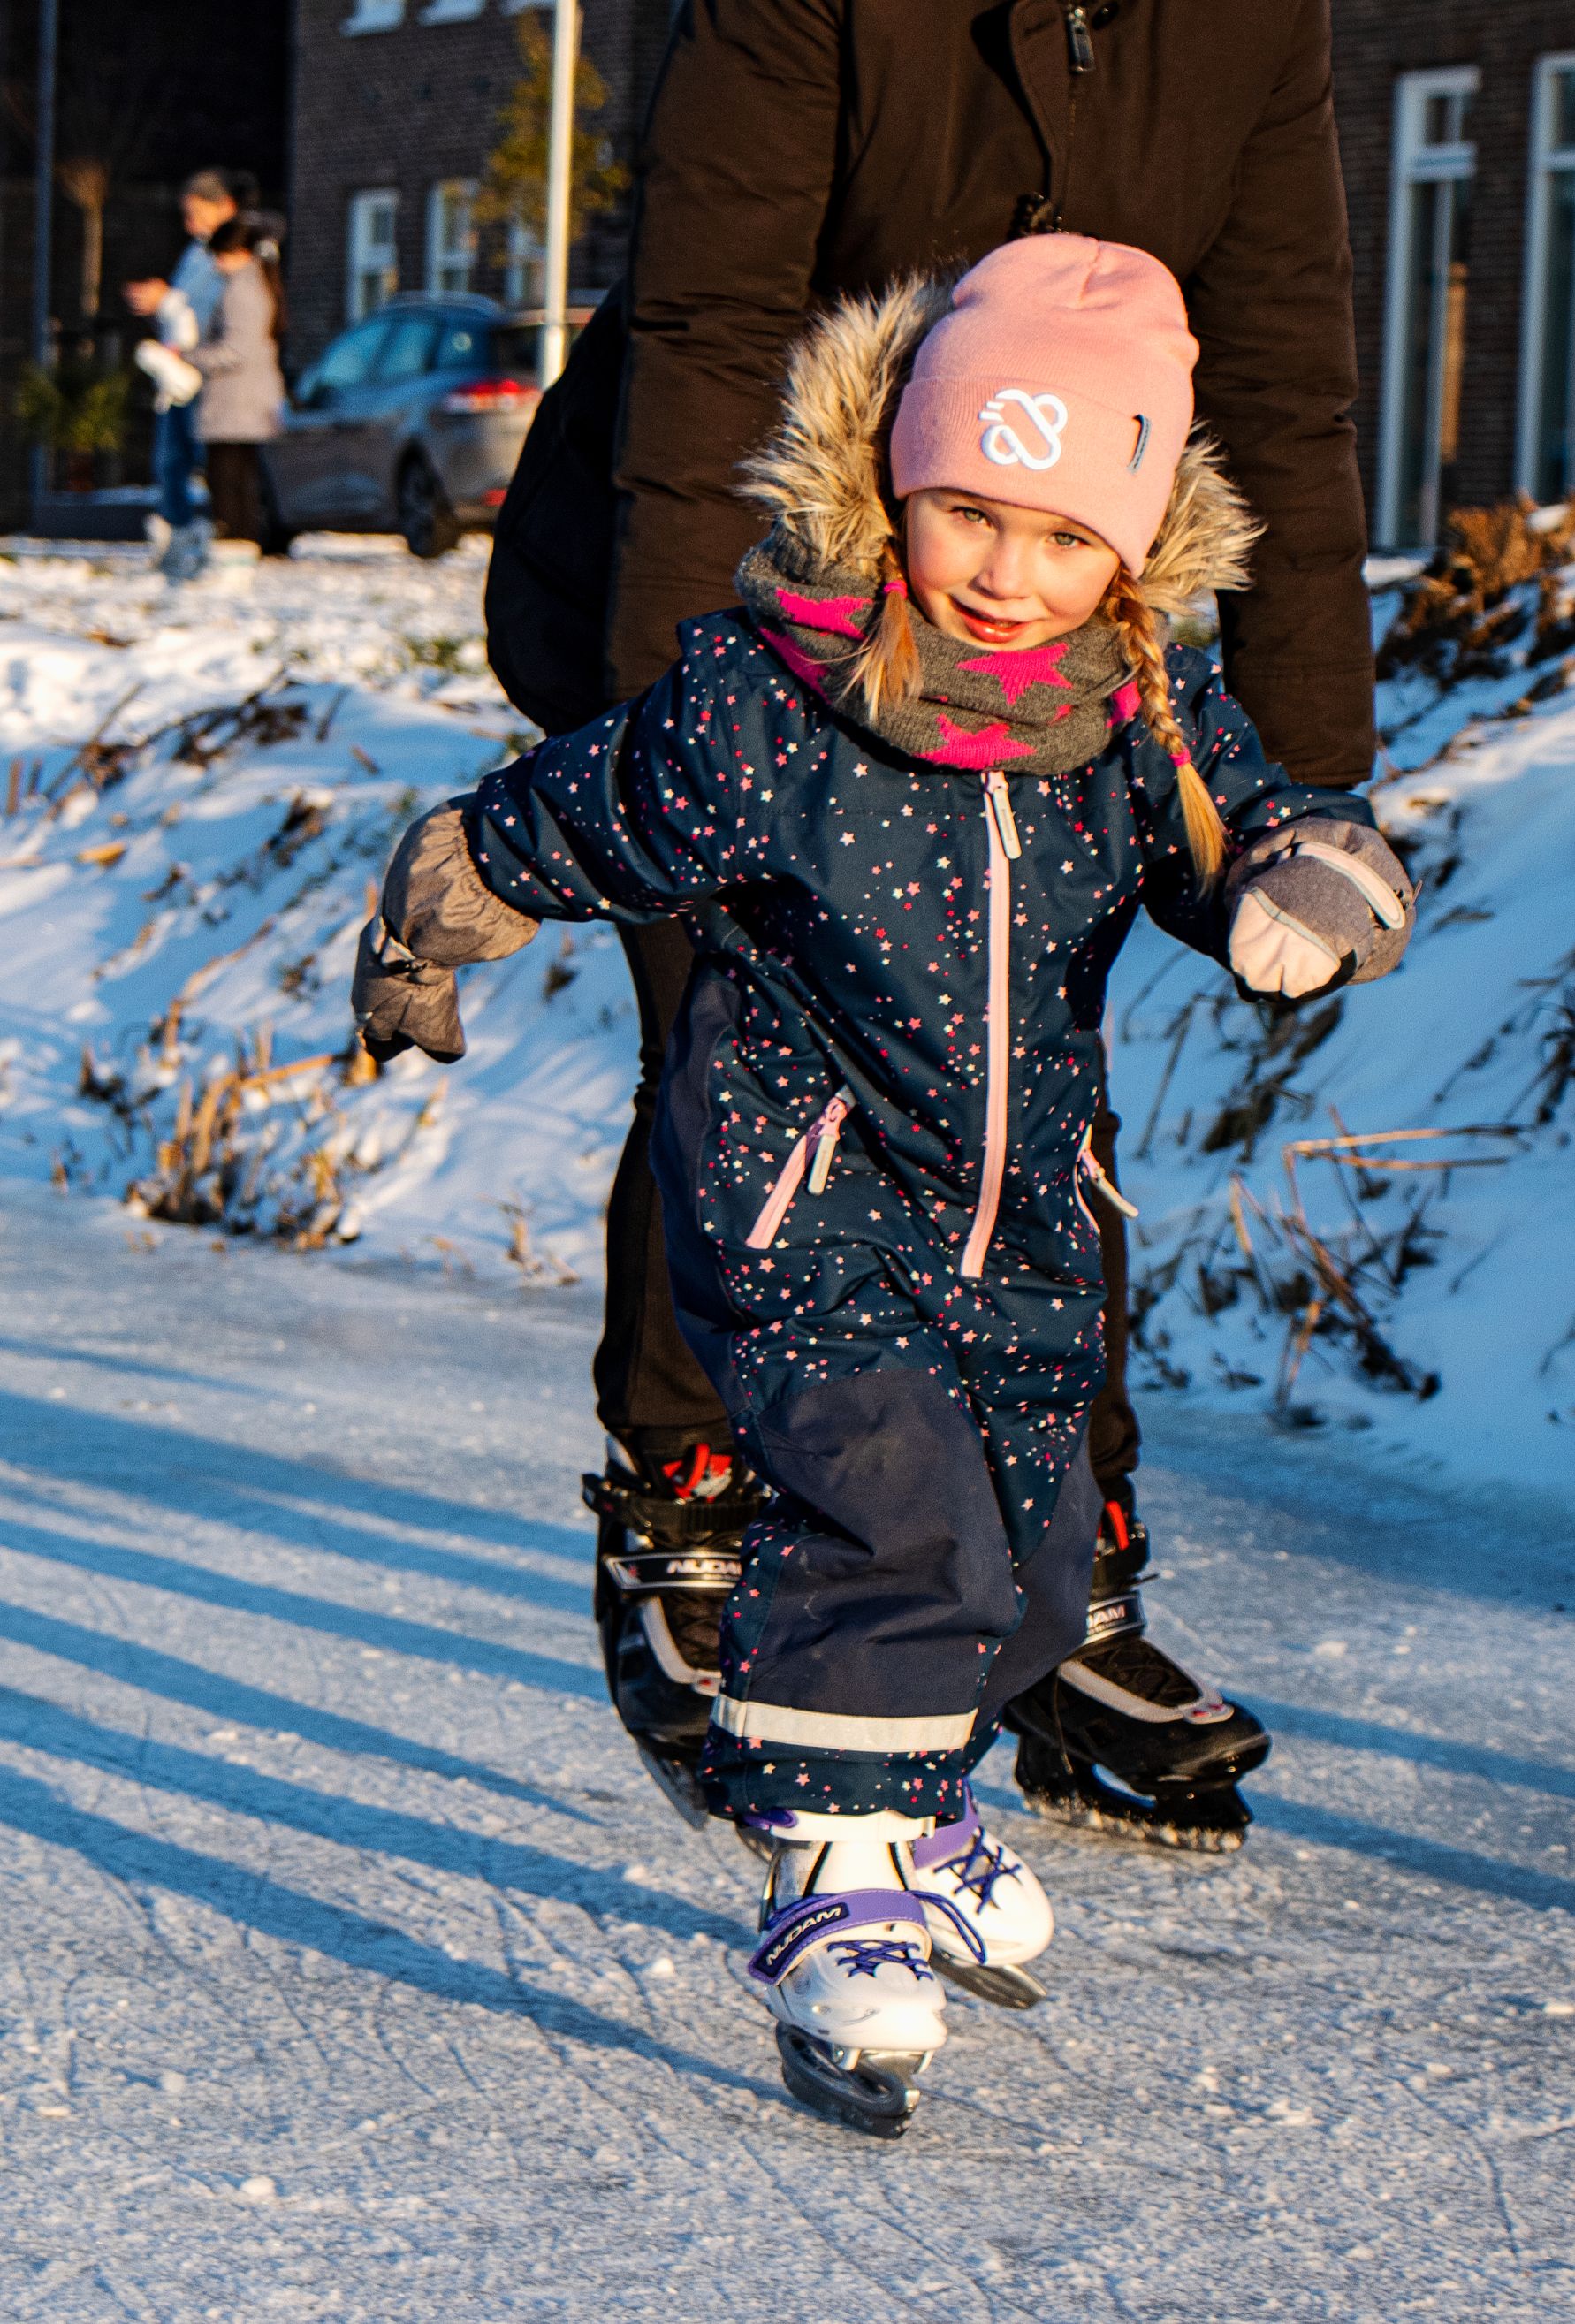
<point x="353" y="1971"/>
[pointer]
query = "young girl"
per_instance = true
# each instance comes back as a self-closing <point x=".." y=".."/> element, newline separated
<point x="910" y="799"/>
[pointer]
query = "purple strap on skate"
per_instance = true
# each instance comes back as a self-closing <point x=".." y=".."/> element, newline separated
<point x="948" y="1839"/>
<point x="813" y="1919"/>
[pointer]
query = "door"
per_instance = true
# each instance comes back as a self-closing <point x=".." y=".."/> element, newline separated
<point x="396" y="402"/>
<point x="319" y="464"/>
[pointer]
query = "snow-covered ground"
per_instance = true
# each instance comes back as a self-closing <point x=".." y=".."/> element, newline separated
<point x="353" y="1971"/>
<point x="223" y="868"/>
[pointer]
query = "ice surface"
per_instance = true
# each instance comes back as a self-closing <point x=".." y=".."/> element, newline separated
<point x="355" y="1970"/>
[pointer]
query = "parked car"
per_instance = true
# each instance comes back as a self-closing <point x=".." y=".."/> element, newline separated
<point x="411" y="422"/>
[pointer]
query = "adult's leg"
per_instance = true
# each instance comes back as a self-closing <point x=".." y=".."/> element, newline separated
<point x="672" y="1509"/>
<point x="650" y="1393"/>
<point x="1120" y="1702"/>
<point x="1113" y="1438"/>
<point x="174" y="458"/>
<point x="235" y="488"/>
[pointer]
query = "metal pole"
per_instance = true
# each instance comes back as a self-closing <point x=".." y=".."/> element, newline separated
<point x="566" y="43"/>
<point x="43" y="216"/>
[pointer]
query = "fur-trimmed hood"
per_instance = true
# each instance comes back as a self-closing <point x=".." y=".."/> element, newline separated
<point x="824" y="475"/>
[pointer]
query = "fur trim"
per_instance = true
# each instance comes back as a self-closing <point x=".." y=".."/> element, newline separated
<point x="824" y="475"/>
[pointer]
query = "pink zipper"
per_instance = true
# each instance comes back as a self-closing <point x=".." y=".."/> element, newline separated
<point x="1089" y="1165"/>
<point x="1004" y="848"/>
<point x="819" y="1139"/>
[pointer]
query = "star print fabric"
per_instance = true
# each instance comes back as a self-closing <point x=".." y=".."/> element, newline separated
<point x="868" y="1148"/>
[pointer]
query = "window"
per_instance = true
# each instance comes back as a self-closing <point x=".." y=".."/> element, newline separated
<point x="1547" y="377"/>
<point x="524" y="267"/>
<point x="465" y="345"/>
<point x="450" y="12"/>
<point x="374" y="16"/>
<point x="407" y="352"/>
<point x="450" y="235"/>
<point x="346" y="363"/>
<point x="1430" y="206"/>
<point x="373" y="274"/>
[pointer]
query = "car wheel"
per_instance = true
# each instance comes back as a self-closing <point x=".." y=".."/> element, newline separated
<point x="426" y="519"/>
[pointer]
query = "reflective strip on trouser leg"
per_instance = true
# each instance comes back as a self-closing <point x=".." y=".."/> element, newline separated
<point x="832" y="1730"/>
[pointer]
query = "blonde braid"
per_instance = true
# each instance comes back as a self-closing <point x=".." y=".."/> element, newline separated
<point x="1133" y="616"/>
<point x="886" y="667"/>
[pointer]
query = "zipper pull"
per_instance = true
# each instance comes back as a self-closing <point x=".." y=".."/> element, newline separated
<point x="1080" y="48"/>
<point x="1094" y="1171"/>
<point x="824" y="1139"/>
<point x="998" y="799"/>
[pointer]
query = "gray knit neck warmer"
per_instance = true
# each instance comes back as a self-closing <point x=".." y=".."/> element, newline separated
<point x="1035" y="712"/>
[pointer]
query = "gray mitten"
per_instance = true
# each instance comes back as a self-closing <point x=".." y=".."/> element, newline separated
<point x="1317" y="904"/>
<point x="437" y="913"/>
<point x="403" y="1002"/>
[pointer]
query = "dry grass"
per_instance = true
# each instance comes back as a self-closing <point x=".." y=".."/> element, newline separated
<point x="1460" y="618"/>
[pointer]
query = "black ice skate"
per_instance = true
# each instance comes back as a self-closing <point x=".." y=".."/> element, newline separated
<point x="1120" y="1739"/>
<point x="667" y="1555"/>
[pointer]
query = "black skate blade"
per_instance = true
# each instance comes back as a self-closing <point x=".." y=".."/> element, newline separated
<point x="1213" y="1820"/>
<point x="678" y="1785"/>
<point x="877" y="2096"/>
<point x="1004" y="1988"/>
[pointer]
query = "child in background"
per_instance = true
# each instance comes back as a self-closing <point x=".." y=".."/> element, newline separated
<point x="910" y="799"/>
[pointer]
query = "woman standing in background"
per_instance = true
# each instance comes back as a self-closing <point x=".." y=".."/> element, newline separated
<point x="242" y="391"/>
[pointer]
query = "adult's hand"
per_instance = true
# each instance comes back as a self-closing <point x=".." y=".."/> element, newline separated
<point x="143" y="298"/>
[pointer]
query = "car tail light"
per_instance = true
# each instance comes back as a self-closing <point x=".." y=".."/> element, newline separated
<point x="489" y="395"/>
<point x="496" y="497"/>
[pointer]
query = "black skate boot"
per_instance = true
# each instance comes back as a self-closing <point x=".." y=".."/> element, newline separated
<point x="667" y="1553"/>
<point x="1120" y="1707"/>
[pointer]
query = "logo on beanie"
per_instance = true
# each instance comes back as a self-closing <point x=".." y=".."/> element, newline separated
<point x="1000" y="442"/>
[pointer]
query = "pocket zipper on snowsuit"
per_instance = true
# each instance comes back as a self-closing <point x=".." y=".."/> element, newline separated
<point x="820" y="1140"/>
<point x="1005" y="847"/>
<point x="1089" y="1165"/>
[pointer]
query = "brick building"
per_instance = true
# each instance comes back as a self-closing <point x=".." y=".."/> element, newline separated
<point x="1458" y="135"/>
<point x="397" y="105"/>
<point x="1457" y="129"/>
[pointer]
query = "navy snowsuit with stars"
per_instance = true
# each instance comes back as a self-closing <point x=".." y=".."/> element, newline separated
<point x="871" y="1156"/>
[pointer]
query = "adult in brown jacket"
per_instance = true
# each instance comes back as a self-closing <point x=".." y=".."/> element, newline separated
<point x="798" y="149"/>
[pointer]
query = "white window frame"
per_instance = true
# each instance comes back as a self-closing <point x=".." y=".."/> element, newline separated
<point x="444" y="190"/>
<point x="1547" y="162"/>
<point x="522" y="250"/>
<point x="359" y="249"/>
<point x="374" y="16"/>
<point x="1413" y="162"/>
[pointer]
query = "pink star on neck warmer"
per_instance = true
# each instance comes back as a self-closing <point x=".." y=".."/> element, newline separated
<point x="835" y="614"/>
<point x="991" y="747"/>
<point x="1018" y="671"/>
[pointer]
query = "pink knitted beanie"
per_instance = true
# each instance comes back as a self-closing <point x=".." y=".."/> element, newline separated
<point x="1060" y="379"/>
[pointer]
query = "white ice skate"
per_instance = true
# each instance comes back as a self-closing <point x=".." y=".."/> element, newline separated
<point x="843" y="1959"/>
<point x="988" y="1914"/>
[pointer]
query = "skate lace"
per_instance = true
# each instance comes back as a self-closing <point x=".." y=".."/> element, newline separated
<point x="992" y="1866"/>
<point x="863" y="1956"/>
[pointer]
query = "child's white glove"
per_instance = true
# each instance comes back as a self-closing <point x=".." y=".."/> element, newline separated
<point x="1317" y="904"/>
<point x="437" y="913"/>
<point x="177" y="380"/>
